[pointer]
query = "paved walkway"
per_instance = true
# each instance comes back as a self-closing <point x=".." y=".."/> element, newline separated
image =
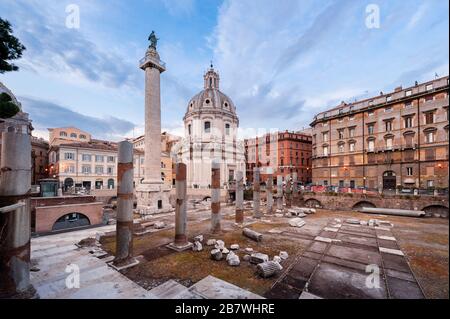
<point x="52" y="255"/>
<point x="335" y="266"/>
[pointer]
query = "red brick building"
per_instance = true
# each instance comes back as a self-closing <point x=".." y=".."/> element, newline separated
<point x="285" y="152"/>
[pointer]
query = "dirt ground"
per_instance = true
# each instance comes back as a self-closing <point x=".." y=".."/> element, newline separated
<point x="423" y="240"/>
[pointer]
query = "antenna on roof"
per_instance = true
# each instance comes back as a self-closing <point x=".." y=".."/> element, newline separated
<point x="436" y="75"/>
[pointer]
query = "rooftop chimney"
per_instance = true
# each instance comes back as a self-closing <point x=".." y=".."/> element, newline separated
<point x="398" y="89"/>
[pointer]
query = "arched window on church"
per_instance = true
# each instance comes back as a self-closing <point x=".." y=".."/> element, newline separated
<point x="208" y="127"/>
<point x="227" y="129"/>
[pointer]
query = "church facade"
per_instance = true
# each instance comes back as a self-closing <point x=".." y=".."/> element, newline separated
<point x="211" y="125"/>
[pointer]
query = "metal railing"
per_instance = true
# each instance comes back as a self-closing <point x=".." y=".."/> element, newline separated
<point x="377" y="191"/>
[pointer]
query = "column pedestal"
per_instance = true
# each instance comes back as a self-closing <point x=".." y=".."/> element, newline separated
<point x="153" y="199"/>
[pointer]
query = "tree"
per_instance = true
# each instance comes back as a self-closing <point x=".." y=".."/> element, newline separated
<point x="10" y="47"/>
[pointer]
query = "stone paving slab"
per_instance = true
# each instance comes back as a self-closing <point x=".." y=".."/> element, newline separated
<point x="318" y="247"/>
<point x="211" y="287"/>
<point x="388" y="244"/>
<point x="337" y="282"/>
<point x="341" y="269"/>
<point x="404" y="289"/>
<point x="355" y="254"/>
<point x="356" y="239"/>
<point x="172" y="290"/>
<point x="345" y="263"/>
<point x="395" y="262"/>
<point x="356" y="232"/>
<point x="307" y="295"/>
<point x="391" y="251"/>
<point x="283" y="291"/>
<point x="400" y="275"/>
<point x="95" y="276"/>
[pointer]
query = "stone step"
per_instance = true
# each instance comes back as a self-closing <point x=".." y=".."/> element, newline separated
<point x="172" y="290"/>
<point x="211" y="287"/>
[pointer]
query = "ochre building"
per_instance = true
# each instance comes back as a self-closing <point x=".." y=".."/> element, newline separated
<point x="394" y="140"/>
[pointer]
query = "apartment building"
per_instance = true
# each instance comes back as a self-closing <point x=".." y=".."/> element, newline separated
<point x="168" y="160"/>
<point x="284" y="152"/>
<point x="89" y="165"/>
<point x="39" y="159"/>
<point x="393" y="140"/>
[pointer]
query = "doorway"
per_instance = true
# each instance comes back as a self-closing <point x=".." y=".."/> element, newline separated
<point x="389" y="180"/>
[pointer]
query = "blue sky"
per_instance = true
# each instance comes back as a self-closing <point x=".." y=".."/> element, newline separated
<point x="280" y="62"/>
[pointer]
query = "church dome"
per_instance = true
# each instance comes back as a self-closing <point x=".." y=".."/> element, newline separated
<point x="211" y="99"/>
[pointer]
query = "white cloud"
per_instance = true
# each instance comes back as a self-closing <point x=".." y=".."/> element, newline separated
<point x="317" y="102"/>
<point x="417" y="16"/>
<point x="264" y="53"/>
<point x="179" y="7"/>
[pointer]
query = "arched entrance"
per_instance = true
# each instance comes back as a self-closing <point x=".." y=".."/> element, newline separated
<point x="389" y="180"/>
<point x="98" y="184"/>
<point x="72" y="220"/>
<point x="362" y="204"/>
<point x="436" y="211"/>
<point x="110" y="183"/>
<point x="313" y="203"/>
<point x="68" y="182"/>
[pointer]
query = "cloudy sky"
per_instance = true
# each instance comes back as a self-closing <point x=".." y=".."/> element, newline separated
<point x="280" y="61"/>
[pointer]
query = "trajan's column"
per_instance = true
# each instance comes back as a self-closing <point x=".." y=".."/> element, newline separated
<point x="152" y="195"/>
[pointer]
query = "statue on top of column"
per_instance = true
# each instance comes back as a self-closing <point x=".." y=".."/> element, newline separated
<point x="153" y="40"/>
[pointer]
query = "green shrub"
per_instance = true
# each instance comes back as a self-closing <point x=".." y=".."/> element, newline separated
<point x="7" y="107"/>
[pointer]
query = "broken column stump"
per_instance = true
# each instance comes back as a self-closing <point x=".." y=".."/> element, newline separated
<point x="215" y="197"/>
<point x="239" y="218"/>
<point x="15" y="216"/>
<point x="180" y="242"/>
<point x="288" y="191"/>
<point x="280" y="192"/>
<point x="269" y="188"/>
<point x="256" y="193"/>
<point x="124" y="226"/>
<point x="294" y="188"/>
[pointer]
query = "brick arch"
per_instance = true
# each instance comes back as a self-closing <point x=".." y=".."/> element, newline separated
<point x="313" y="203"/>
<point x="84" y="218"/>
<point x="440" y="209"/>
<point x="46" y="216"/>
<point x="362" y="204"/>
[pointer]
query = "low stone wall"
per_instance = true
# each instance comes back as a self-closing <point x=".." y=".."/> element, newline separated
<point x="46" y="211"/>
<point x="336" y="201"/>
<point x="48" y="215"/>
<point x="201" y="193"/>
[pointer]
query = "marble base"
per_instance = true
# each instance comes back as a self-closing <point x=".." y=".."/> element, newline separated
<point x="131" y="263"/>
<point x="148" y="196"/>
<point x="173" y="246"/>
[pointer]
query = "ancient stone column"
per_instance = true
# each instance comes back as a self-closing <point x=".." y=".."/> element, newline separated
<point x="124" y="225"/>
<point x="279" y="192"/>
<point x="294" y="188"/>
<point x="269" y="188"/>
<point x="15" y="188"/>
<point x="180" y="242"/>
<point x="288" y="191"/>
<point x="152" y="194"/>
<point x="256" y="193"/>
<point x="239" y="197"/>
<point x="153" y="122"/>
<point x="215" y="197"/>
